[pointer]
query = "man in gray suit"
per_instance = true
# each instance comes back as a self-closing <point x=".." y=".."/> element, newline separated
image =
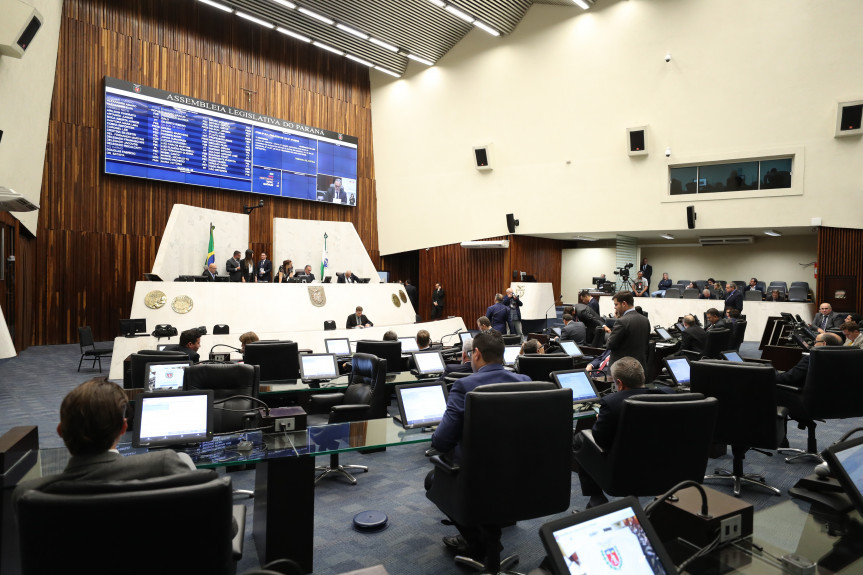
<point x="92" y="420"/>
<point x="826" y="318"/>
<point x="631" y="331"/>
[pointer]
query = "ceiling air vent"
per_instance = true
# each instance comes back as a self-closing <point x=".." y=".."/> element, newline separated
<point x="726" y="241"/>
<point x="486" y="245"/>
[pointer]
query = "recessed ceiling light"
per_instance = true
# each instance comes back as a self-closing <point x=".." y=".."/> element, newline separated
<point x="584" y="238"/>
<point x="420" y="60"/>
<point x="217" y="5"/>
<point x="438" y="3"/>
<point x="487" y="28"/>
<point x="328" y="48"/>
<point x="666" y="236"/>
<point x="316" y="16"/>
<point x="287" y="32"/>
<point x="385" y="71"/>
<point x="383" y="44"/>
<point x="350" y="30"/>
<point x="456" y="12"/>
<point x="286" y="4"/>
<point x="250" y="18"/>
<point x="582" y="4"/>
<point x="773" y="233"/>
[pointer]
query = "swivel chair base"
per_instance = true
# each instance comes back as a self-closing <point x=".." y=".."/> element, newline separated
<point x="247" y="492"/>
<point x="328" y="470"/>
<point x="799" y="454"/>
<point x="505" y="564"/>
<point x="749" y="478"/>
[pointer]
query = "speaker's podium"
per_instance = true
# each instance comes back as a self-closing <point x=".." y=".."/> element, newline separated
<point x="778" y="346"/>
<point x="537" y="304"/>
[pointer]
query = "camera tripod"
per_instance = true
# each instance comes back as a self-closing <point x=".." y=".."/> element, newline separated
<point x="626" y="284"/>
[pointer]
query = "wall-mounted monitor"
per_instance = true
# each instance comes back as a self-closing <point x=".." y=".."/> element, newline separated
<point x="161" y="135"/>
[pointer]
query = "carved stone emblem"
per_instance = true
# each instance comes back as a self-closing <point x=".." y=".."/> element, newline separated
<point x="403" y="296"/>
<point x="155" y="299"/>
<point x="317" y="296"/>
<point x="396" y="301"/>
<point x="182" y="304"/>
<point x="519" y="290"/>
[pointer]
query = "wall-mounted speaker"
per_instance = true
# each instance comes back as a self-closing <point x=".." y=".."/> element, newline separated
<point x="482" y="157"/>
<point x="848" y="119"/>
<point x="516" y="275"/>
<point x="18" y="26"/>
<point x="511" y="223"/>
<point x="690" y="217"/>
<point x="636" y="139"/>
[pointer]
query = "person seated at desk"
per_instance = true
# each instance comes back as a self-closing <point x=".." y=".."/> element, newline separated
<point x="423" y="339"/>
<point x="465" y="365"/>
<point x="358" y="319"/>
<point x="307" y="271"/>
<point x="599" y="363"/>
<point x="531" y="347"/>
<point x="796" y="376"/>
<point x="286" y="271"/>
<point x="390" y="335"/>
<point x="732" y="315"/>
<point x="348" y="278"/>
<point x="248" y="337"/>
<point x="483" y="323"/>
<point x="715" y="320"/>
<point x="335" y="193"/>
<point x="573" y="330"/>
<point x="853" y="337"/>
<point x="487" y="362"/>
<point x="190" y="343"/>
<point x="693" y="337"/>
<point x="211" y="272"/>
<point x="628" y="376"/>
<point x="707" y="294"/>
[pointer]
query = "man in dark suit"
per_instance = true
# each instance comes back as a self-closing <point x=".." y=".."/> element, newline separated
<point x="591" y="301"/>
<point x="211" y="272"/>
<point x="190" y="343"/>
<point x="631" y="330"/>
<point x="335" y="192"/>
<point x="796" y="376"/>
<point x="646" y="269"/>
<point x="573" y="330"/>
<point x="465" y="365"/>
<point x="715" y="320"/>
<point x="232" y="267"/>
<point x="498" y="314"/>
<point x="628" y="376"/>
<point x="358" y="319"/>
<point x="589" y="318"/>
<point x="92" y="421"/>
<point x="265" y="269"/>
<point x="826" y="318"/>
<point x="694" y="337"/>
<point x="307" y="271"/>
<point x="733" y="297"/>
<point x="413" y="295"/>
<point x="707" y="294"/>
<point x="438" y="301"/>
<point x="487" y="362"/>
<point x="348" y="278"/>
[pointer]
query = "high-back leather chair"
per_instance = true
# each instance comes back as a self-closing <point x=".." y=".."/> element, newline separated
<point x="94" y="526"/>
<point x="832" y="391"/>
<point x="690" y="293"/>
<point x="738" y="332"/>
<point x="508" y="473"/>
<point x="388" y="350"/>
<point x="753" y="295"/>
<point x="748" y="416"/>
<point x="539" y="366"/>
<point x="511" y="339"/>
<point x="366" y="397"/>
<point x="632" y="466"/>
<point x="140" y="359"/>
<point x="228" y="380"/>
<point x="278" y="359"/>
<point x="798" y="294"/>
<point x="717" y="341"/>
<point x="673" y="293"/>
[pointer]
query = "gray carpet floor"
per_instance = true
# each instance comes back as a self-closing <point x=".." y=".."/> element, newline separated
<point x="33" y="384"/>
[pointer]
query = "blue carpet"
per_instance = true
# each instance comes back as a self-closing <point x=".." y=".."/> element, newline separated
<point x="33" y="385"/>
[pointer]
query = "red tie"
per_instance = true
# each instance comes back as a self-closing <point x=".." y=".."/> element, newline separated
<point x="604" y="363"/>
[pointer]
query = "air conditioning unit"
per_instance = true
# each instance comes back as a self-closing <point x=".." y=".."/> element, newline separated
<point x="18" y="26"/>
<point x="486" y="245"/>
<point x="12" y="201"/>
<point x="726" y="241"/>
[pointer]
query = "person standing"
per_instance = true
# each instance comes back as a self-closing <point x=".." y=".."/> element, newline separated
<point x="232" y="267"/>
<point x="498" y="314"/>
<point x="646" y="269"/>
<point x="512" y="301"/>
<point x="438" y="301"/>
<point x="247" y="267"/>
<point x="631" y="330"/>
<point x="413" y="295"/>
<point x="265" y="269"/>
<point x="733" y="297"/>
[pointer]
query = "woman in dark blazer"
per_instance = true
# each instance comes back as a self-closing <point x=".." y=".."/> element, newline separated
<point x="247" y="268"/>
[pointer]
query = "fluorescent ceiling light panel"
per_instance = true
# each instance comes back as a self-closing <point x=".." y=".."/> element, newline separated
<point x="217" y="5"/>
<point x="316" y="16"/>
<point x="487" y="28"/>
<point x="350" y="30"/>
<point x="584" y="238"/>
<point x="773" y="233"/>
<point x="285" y="3"/>
<point x="360" y="60"/>
<point x="263" y="23"/>
<point x="328" y="48"/>
<point x="438" y="3"/>
<point x="420" y="60"/>
<point x="385" y="71"/>
<point x="383" y="44"/>
<point x="666" y="236"/>
<point x="456" y="12"/>
<point x="287" y="32"/>
<point x="582" y="4"/>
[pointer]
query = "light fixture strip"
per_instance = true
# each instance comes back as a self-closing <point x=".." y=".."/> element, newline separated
<point x="360" y="60"/>
<point x="328" y="48"/>
<point x="456" y="12"/>
<point x="285" y="3"/>
<point x="383" y="44"/>
<point x="582" y="4"/>
<point x="486" y="27"/>
<point x="316" y="16"/>
<point x="420" y="60"/>
<point x="385" y="71"/>
<point x="227" y="9"/>
<point x="287" y="32"/>
<point x="251" y="18"/>
<point x="350" y="30"/>
<point x="438" y="3"/>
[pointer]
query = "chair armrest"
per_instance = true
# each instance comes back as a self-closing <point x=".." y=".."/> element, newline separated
<point x="239" y="514"/>
<point x="323" y="402"/>
<point x="791" y="388"/>
<point x="691" y="354"/>
<point x="355" y="408"/>
<point x="444" y="465"/>
<point x="590" y="457"/>
<point x="781" y="412"/>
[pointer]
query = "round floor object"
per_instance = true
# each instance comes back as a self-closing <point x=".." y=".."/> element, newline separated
<point x="370" y="521"/>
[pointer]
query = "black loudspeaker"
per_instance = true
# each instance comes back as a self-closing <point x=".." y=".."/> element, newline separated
<point x="516" y="275"/>
<point x="511" y="223"/>
<point x="848" y="119"/>
<point x="637" y="141"/>
<point x="482" y="157"/>
<point x="690" y="217"/>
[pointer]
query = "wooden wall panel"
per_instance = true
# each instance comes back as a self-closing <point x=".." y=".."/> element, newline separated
<point x="538" y="257"/>
<point x="840" y="255"/>
<point x="98" y="234"/>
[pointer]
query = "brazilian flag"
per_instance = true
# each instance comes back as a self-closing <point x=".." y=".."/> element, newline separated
<point x="211" y="251"/>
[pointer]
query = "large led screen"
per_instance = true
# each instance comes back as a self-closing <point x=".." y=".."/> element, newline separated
<point x="161" y="135"/>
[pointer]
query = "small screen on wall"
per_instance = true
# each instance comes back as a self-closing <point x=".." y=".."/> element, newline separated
<point x="161" y="135"/>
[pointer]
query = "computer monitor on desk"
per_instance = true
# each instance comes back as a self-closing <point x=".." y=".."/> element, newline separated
<point x="318" y="366"/>
<point x="163" y="376"/>
<point x="421" y="404"/>
<point x="409" y="344"/>
<point x="465" y="336"/>
<point x="173" y="418"/>
<point x="338" y="345"/>
<point x="678" y="369"/>
<point x="428" y="363"/>
<point x="579" y="382"/>
<point x="510" y="353"/>
<point x="571" y="348"/>
<point x="133" y="327"/>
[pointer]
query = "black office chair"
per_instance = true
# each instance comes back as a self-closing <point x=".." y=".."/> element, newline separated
<point x="748" y="415"/>
<point x="700" y="284"/>
<point x="832" y="391"/>
<point x="93" y="526"/>
<point x="738" y="332"/>
<point x="798" y="294"/>
<point x="690" y="293"/>
<point x="221" y="329"/>
<point x="388" y="350"/>
<point x="673" y="293"/>
<point x="507" y="473"/>
<point x="804" y="285"/>
<point x="228" y="381"/>
<point x="279" y="360"/>
<point x="89" y="349"/>
<point x="539" y="366"/>
<point x="717" y="341"/>
<point x="139" y="360"/>
<point x="329" y="325"/>
<point x="632" y="466"/>
<point x="753" y="295"/>
<point x="512" y="339"/>
<point x="366" y="397"/>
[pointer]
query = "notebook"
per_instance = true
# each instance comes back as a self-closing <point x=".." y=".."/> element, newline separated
<point x="577" y="380"/>
<point x="615" y="537"/>
<point x="163" y="376"/>
<point x="338" y="345"/>
<point x="510" y="352"/>
<point x="173" y="418"/>
<point x="678" y="368"/>
<point x="421" y="404"/>
<point x="318" y="366"/>
<point x="571" y="348"/>
<point x="428" y="363"/>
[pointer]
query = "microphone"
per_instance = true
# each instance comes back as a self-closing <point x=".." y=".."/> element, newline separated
<point x="798" y="318"/>
<point x="456" y="332"/>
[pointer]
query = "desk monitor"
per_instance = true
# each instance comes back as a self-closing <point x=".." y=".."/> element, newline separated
<point x="571" y="348"/>
<point x="680" y="327"/>
<point x="577" y="380"/>
<point x="409" y="344"/>
<point x="678" y="368"/>
<point x="510" y="352"/>
<point x="789" y="319"/>
<point x="556" y="330"/>
<point x="223" y="279"/>
<point x="164" y="376"/>
<point x="663" y="333"/>
<point x="130" y="327"/>
<point x="318" y="366"/>
<point x="845" y="460"/>
<point x="612" y="538"/>
<point x="173" y="418"/>
<point x="162" y="346"/>
<point x="421" y="404"/>
<point x="731" y="356"/>
<point x="338" y="345"/>
<point x="465" y="336"/>
<point x="385" y="276"/>
<point x="428" y="362"/>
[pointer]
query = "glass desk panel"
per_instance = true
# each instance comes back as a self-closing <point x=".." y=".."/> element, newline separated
<point x="297" y="386"/>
